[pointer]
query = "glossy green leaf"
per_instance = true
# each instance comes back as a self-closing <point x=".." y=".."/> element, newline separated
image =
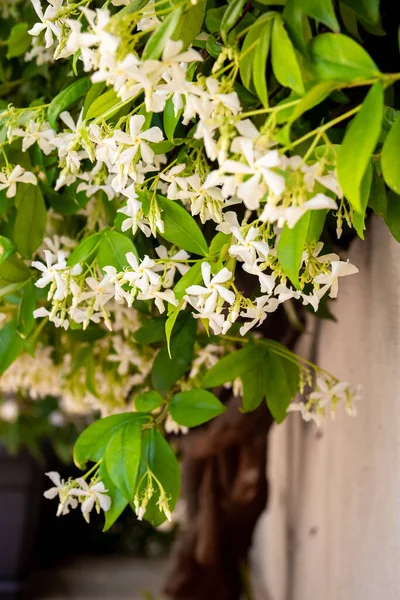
<point x="123" y="457"/>
<point x="170" y="119"/>
<point x="95" y="92"/>
<point x="378" y="197"/>
<point x="367" y="10"/>
<point x="291" y="247"/>
<point x="284" y="60"/>
<point x="11" y="345"/>
<point x="170" y="324"/>
<point x="316" y="224"/>
<point x="7" y="248"/>
<point x="358" y="145"/>
<point x="231" y="366"/>
<point x="158" y="455"/>
<point x="191" y="277"/>
<point x="249" y="47"/>
<point x="180" y="228"/>
<point x="93" y="441"/>
<point x="231" y="16"/>
<point x="118" y="501"/>
<point x="219" y="243"/>
<point x="195" y="407"/>
<point x="148" y="401"/>
<point x="156" y="43"/>
<point x="66" y="98"/>
<point x="337" y="57"/>
<point x="30" y="222"/>
<point x="322" y="11"/>
<point x="25" y="319"/>
<point x="214" y="18"/>
<point x="19" y="40"/>
<point x="281" y="377"/>
<point x="14" y="270"/>
<point x="191" y="22"/>
<point x="260" y="63"/>
<point x="254" y="384"/>
<point x="151" y="331"/>
<point x="166" y="371"/>
<point x="390" y="157"/>
<point x="392" y="218"/>
<point x="113" y="249"/>
<point x="359" y="216"/>
<point x="102" y="104"/>
<point x="86" y="248"/>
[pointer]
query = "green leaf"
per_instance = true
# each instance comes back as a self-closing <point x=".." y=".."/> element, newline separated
<point x="156" y="43"/>
<point x="11" y="345"/>
<point x="170" y="119"/>
<point x="191" y="277"/>
<point x="158" y="455"/>
<point x="166" y="371"/>
<point x="231" y="16"/>
<point x="123" y="457"/>
<point x="250" y="44"/>
<point x="358" y="145"/>
<point x="284" y="60"/>
<point x="367" y="10"/>
<point x="19" y="40"/>
<point x="231" y="366"/>
<point x="317" y="94"/>
<point x="13" y="270"/>
<point x="195" y="407"/>
<point x="25" y="319"/>
<point x="7" y="248"/>
<point x="152" y="331"/>
<point x="214" y="18"/>
<point x="191" y="22"/>
<point x="254" y="384"/>
<point x="133" y="6"/>
<point x="102" y="104"/>
<point x="322" y="11"/>
<point x="337" y="57"/>
<point x="217" y="244"/>
<point x="390" y="157"/>
<point x="66" y="98"/>
<point x="180" y="228"/>
<point x="93" y="441"/>
<point x="260" y="63"/>
<point x="113" y="249"/>
<point x="30" y="222"/>
<point x="378" y="198"/>
<point x="148" y="401"/>
<point x="86" y="248"/>
<point x="10" y="288"/>
<point x="359" y="217"/>
<point x="170" y="324"/>
<point x="94" y="92"/>
<point x="118" y="500"/>
<point x="281" y="377"/>
<point x="316" y="224"/>
<point x="291" y="247"/>
<point x="392" y="218"/>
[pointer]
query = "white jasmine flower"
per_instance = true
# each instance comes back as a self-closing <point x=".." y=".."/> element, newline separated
<point x="41" y="133"/>
<point x="330" y="281"/>
<point x="49" y="269"/>
<point x="142" y="273"/>
<point x="48" y="18"/>
<point x="9" y="180"/>
<point x="137" y="139"/>
<point x="258" y="312"/>
<point x="62" y="490"/>
<point x="96" y="497"/>
<point x="213" y="288"/>
<point x="248" y="249"/>
<point x="171" y="264"/>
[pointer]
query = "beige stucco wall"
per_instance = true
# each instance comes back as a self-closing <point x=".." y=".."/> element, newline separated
<point x="332" y="528"/>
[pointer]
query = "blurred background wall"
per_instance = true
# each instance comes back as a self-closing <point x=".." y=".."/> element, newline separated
<point x="332" y="528"/>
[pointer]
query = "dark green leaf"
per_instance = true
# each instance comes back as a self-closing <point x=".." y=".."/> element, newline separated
<point x="151" y="331"/>
<point x="123" y="457"/>
<point x="118" y="500"/>
<point x="280" y="376"/>
<point x="170" y="119"/>
<point x="337" y="57"/>
<point x="358" y="145"/>
<point x="316" y="224"/>
<point x="195" y="407"/>
<point x="166" y="371"/>
<point x="367" y="10"/>
<point x="30" y="222"/>
<point x="190" y="24"/>
<point x="359" y="217"/>
<point x="291" y="247"/>
<point x="13" y="270"/>
<point x="231" y="366"/>
<point x="66" y="98"/>
<point x="392" y="218"/>
<point x="378" y="198"/>
<point x="322" y="11"/>
<point x="180" y="228"/>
